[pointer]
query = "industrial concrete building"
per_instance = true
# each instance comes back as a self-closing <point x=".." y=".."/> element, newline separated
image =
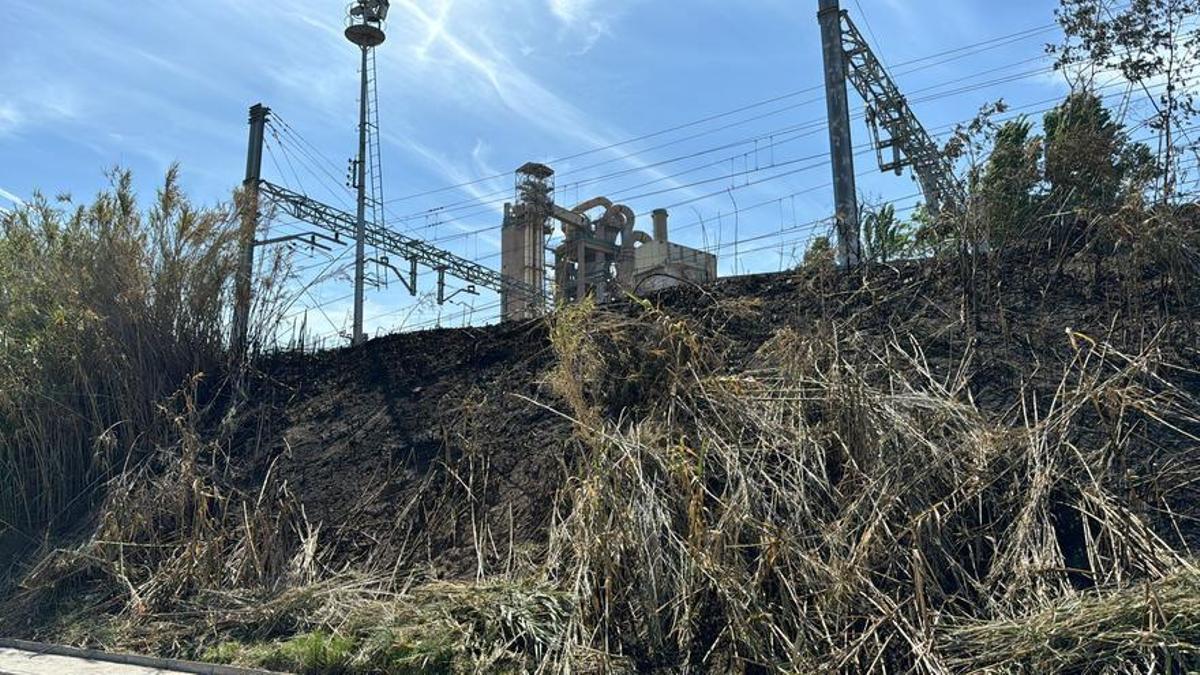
<point x="601" y="254"/>
<point x="660" y="263"/>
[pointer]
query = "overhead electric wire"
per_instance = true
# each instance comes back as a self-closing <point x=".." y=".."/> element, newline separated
<point x="1020" y="35"/>
<point x="814" y="125"/>
<point x="477" y="199"/>
<point x="954" y="54"/>
<point x="862" y="149"/>
<point x="309" y="149"/>
<point x="806" y="129"/>
<point x="271" y="156"/>
<point x="287" y="159"/>
<point x="317" y="171"/>
<point x="733" y="174"/>
<point x="893" y="202"/>
<point x="808" y="226"/>
<point x="742" y="155"/>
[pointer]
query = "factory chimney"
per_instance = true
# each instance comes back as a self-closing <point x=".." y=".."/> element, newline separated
<point x="660" y="225"/>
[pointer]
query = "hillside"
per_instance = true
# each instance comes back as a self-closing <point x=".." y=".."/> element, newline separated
<point x="487" y="494"/>
<point x="372" y="440"/>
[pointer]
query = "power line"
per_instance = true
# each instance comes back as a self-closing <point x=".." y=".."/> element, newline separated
<point x="773" y="164"/>
<point x="480" y="199"/>
<point x="314" y="168"/>
<point x="733" y="174"/>
<point x="940" y="57"/>
<point x="800" y="130"/>
<point x="815" y="125"/>
<point x="862" y="149"/>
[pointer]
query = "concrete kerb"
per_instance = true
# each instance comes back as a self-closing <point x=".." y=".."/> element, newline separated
<point x="130" y="659"/>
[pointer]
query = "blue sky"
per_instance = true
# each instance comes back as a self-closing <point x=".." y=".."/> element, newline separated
<point x="475" y="88"/>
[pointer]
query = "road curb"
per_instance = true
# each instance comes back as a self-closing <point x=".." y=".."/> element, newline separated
<point x="130" y="659"/>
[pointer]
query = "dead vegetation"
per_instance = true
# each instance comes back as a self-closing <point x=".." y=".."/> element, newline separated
<point x="824" y="513"/>
<point x="973" y="463"/>
<point x="834" y="501"/>
<point x="810" y="472"/>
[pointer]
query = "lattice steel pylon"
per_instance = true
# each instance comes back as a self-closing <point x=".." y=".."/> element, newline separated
<point x="888" y="112"/>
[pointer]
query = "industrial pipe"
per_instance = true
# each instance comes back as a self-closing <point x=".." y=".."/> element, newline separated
<point x="660" y="225"/>
<point x="593" y="203"/>
<point x="625" y="257"/>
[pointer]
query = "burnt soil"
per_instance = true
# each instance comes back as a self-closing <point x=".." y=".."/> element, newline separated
<point x="442" y="449"/>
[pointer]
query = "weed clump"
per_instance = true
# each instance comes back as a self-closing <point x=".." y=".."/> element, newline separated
<point x="818" y="512"/>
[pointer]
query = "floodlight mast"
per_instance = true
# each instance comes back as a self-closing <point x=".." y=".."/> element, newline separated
<point x="365" y="29"/>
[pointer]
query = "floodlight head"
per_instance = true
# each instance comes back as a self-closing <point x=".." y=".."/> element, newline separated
<point x="365" y="27"/>
<point x="373" y="11"/>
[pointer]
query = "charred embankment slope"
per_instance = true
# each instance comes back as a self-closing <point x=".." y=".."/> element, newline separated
<point x="362" y="434"/>
<point x="805" y="470"/>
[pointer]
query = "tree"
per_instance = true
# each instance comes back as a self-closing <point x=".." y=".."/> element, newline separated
<point x="819" y="255"/>
<point x="1154" y="44"/>
<point x="1005" y="186"/>
<point x="1091" y="167"/>
<point x="884" y="237"/>
<point x="969" y="143"/>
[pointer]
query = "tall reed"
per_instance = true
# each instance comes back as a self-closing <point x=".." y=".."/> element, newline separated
<point x="105" y="311"/>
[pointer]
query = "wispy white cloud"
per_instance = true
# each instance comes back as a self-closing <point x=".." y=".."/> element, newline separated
<point x="584" y="21"/>
<point x="571" y="11"/>
<point x="11" y="197"/>
<point x="436" y="28"/>
<point x="34" y="104"/>
<point x="10" y="119"/>
<point x="452" y="172"/>
<point x="516" y="89"/>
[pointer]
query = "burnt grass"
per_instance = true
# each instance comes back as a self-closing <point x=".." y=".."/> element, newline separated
<point x="443" y="450"/>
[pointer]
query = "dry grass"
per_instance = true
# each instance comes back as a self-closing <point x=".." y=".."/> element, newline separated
<point x="822" y="513"/>
<point x="836" y="507"/>
<point x="839" y="505"/>
<point x="1152" y="626"/>
<point x="103" y="312"/>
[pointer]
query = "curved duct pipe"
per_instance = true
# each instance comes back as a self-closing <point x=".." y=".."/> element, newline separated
<point x="592" y="203"/>
<point x="582" y="209"/>
<point x="625" y="257"/>
<point x="628" y="218"/>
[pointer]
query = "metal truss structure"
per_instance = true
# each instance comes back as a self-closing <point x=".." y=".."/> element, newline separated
<point x="341" y="226"/>
<point x="888" y="113"/>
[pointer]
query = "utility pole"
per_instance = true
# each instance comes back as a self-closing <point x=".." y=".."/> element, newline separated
<point x="841" y="148"/>
<point x="366" y="31"/>
<point x="249" y="229"/>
